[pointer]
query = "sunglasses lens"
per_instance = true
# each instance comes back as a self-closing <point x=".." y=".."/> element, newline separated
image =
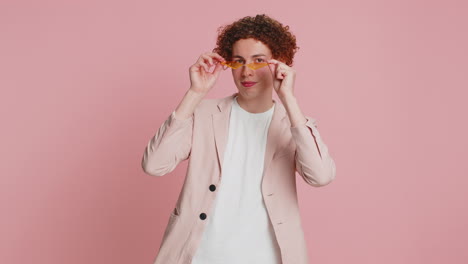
<point x="256" y="66"/>
<point x="236" y="64"/>
<point x="232" y="64"/>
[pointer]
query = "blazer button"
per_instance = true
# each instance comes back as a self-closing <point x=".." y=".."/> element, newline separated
<point x="202" y="216"/>
<point x="212" y="187"/>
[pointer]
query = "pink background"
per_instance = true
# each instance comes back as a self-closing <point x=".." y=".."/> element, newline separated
<point x="85" y="85"/>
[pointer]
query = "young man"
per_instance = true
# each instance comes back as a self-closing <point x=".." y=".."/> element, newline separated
<point x="239" y="199"/>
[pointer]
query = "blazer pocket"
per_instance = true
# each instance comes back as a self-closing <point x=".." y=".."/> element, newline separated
<point x="170" y="226"/>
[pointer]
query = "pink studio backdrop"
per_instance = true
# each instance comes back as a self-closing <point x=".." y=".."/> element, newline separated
<point x="86" y="84"/>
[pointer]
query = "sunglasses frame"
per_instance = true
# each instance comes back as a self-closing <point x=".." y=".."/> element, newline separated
<point x="236" y="65"/>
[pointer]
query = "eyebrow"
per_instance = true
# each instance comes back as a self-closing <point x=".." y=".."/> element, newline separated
<point x="253" y="56"/>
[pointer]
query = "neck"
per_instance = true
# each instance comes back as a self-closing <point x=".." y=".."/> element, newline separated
<point x="255" y="104"/>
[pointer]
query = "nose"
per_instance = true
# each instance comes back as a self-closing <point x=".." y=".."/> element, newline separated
<point x="246" y="71"/>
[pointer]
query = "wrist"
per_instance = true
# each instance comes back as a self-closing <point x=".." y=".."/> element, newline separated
<point x="286" y="96"/>
<point x="197" y="92"/>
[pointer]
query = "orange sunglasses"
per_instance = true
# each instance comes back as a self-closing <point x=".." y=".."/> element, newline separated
<point x="236" y="65"/>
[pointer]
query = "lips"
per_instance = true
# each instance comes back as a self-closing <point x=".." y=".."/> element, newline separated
<point x="248" y="84"/>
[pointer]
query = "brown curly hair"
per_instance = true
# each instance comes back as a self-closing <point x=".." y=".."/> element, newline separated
<point x="269" y="31"/>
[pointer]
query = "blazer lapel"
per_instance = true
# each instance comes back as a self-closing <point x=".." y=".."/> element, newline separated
<point x="275" y="131"/>
<point x="221" y="126"/>
<point x="221" y="129"/>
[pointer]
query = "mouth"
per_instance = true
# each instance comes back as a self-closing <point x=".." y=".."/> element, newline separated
<point x="248" y="84"/>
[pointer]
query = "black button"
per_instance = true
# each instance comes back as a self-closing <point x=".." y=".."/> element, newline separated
<point x="212" y="187"/>
<point x="202" y="216"/>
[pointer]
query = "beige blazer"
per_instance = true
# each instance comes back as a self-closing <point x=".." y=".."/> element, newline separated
<point x="202" y="139"/>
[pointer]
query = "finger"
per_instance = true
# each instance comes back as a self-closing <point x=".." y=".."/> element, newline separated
<point x="273" y="61"/>
<point x="204" y="66"/>
<point x="208" y="60"/>
<point x="217" y="69"/>
<point x="279" y="75"/>
<point x="280" y="66"/>
<point x="194" y="68"/>
<point x="273" y="66"/>
<point x="200" y="59"/>
<point x="217" y="56"/>
<point x="282" y="73"/>
<point x="278" y="62"/>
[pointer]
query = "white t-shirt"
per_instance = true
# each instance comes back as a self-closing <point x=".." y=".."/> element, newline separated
<point x="238" y="229"/>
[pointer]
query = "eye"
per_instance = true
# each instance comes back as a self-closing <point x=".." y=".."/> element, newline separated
<point x="260" y="60"/>
<point x="238" y="61"/>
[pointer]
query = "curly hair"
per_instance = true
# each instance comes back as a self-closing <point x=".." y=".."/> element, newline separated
<point x="269" y="31"/>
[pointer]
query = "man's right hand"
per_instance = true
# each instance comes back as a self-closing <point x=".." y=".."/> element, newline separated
<point x="201" y="79"/>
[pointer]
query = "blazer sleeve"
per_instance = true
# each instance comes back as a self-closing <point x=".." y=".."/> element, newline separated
<point x="171" y="144"/>
<point x="312" y="160"/>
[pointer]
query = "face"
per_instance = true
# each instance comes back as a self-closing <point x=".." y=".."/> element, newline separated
<point x="248" y="51"/>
